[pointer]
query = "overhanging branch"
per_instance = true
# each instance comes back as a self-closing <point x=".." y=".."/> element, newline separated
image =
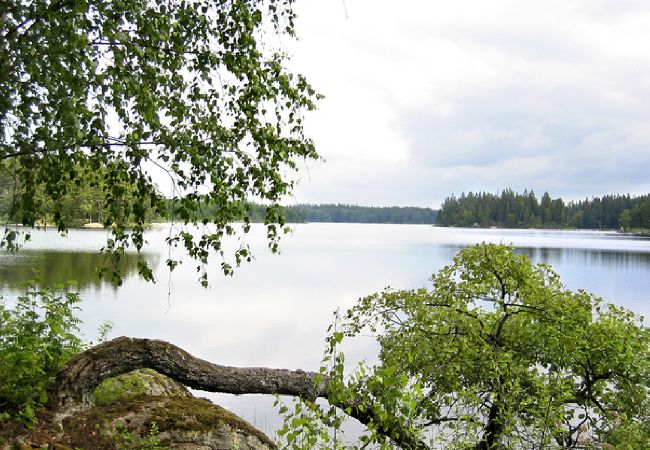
<point x="80" y="376"/>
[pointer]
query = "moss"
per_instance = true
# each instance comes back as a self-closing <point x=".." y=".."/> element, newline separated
<point x="86" y="433"/>
<point x="130" y="385"/>
<point x="120" y="388"/>
<point x="197" y="414"/>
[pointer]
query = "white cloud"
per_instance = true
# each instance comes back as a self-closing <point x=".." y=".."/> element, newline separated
<point x="429" y="98"/>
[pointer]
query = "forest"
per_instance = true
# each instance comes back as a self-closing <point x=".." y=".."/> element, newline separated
<point x="342" y="213"/>
<point x="514" y="210"/>
<point x="87" y="201"/>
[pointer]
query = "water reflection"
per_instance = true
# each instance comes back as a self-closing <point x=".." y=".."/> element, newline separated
<point x="59" y="267"/>
<point x="609" y="259"/>
<point x="588" y="257"/>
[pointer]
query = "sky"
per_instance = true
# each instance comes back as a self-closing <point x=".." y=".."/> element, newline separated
<point x="425" y="99"/>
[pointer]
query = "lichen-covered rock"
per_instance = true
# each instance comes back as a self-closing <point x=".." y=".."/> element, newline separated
<point x="180" y="423"/>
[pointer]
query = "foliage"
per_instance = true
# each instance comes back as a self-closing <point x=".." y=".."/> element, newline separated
<point x="36" y="339"/>
<point x="497" y="354"/>
<point x="83" y="202"/>
<point x="513" y="210"/>
<point x="195" y="92"/>
<point x="307" y="426"/>
<point x="630" y="434"/>
<point x="103" y="330"/>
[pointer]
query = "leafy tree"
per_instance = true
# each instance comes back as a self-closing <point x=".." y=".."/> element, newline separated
<point x="193" y="89"/>
<point x="497" y="354"/>
<point x="625" y="220"/>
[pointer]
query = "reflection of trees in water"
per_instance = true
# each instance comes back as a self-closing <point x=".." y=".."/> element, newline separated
<point x="588" y="257"/>
<point x="582" y="256"/>
<point x="54" y="267"/>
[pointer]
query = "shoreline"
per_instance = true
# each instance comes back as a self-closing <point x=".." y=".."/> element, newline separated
<point x="162" y="225"/>
<point x="594" y="230"/>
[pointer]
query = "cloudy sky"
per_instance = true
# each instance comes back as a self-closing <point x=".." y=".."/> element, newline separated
<point x="428" y="98"/>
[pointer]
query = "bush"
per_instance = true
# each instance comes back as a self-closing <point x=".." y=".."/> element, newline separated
<point x="37" y="336"/>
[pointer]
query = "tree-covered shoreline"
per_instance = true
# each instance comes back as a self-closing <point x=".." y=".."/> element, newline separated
<point x="514" y="210"/>
<point x="85" y="205"/>
<point x="345" y="213"/>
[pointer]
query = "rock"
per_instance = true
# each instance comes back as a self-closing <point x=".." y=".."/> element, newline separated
<point x="181" y="423"/>
<point x="149" y="409"/>
<point x="142" y="410"/>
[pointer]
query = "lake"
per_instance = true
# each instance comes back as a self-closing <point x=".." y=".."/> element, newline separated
<point x="275" y="311"/>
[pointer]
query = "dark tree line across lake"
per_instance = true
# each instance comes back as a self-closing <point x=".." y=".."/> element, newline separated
<point x="342" y="213"/>
<point x="86" y="202"/>
<point x="514" y="210"/>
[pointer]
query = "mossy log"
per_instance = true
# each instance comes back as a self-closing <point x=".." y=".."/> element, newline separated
<point x="76" y="382"/>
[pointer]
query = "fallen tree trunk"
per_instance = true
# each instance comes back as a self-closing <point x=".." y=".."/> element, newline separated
<point x="77" y="380"/>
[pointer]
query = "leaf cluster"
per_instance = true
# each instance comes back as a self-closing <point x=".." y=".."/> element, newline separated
<point x="37" y="336"/>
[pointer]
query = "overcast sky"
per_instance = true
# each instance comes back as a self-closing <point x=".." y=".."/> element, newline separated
<point x="429" y="98"/>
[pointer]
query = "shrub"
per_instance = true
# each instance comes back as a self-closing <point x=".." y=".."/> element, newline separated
<point x="37" y="336"/>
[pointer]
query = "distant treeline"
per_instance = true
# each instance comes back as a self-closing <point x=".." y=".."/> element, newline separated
<point x="364" y="214"/>
<point x="514" y="210"/>
<point x="342" y="213"/>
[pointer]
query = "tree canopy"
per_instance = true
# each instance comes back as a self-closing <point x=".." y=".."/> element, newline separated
<point x="498" y="354"/>
<point x="195" y="90"/>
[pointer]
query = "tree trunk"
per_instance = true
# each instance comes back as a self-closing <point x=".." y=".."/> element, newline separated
<point x="493" y="430"/>
<point x="77" y="380"/>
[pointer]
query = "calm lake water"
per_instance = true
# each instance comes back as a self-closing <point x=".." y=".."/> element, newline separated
<point x="275" y="311"/>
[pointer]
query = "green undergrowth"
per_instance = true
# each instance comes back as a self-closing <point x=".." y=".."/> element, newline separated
<point x="38" y="334"/>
